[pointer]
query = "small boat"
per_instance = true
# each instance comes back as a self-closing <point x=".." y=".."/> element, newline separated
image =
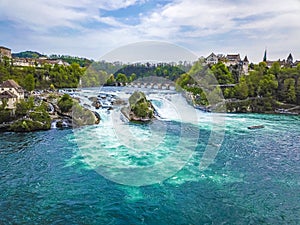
<point x="256" y="127"/>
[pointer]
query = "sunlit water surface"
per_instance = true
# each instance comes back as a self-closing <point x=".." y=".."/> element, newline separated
<point x="83" y="176"/>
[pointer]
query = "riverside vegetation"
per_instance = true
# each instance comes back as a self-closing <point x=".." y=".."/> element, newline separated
<point x="35" y="114"/>
<point x="264" y="89"/>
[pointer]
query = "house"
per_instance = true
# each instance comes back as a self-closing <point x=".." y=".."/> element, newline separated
<point x="212" y="59"/>
<point x="269" y="63"/>
<point x="22" y="62"/>
<point x="11" y="92"/>
<point x="9" y="99"/>
<point x="5" y="52"/>
<point x="296" y="63"/>
<point x="232" y="59"/>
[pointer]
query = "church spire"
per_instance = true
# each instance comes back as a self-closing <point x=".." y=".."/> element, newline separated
<point x="265" y="56"/>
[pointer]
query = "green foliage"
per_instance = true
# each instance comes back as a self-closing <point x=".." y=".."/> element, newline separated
<point x="140" y="106"/>
<point x="289" y="90"/>
<point x="222" y="74"/>
<point x="83" y="62"/>
<point x="121" y="78"/>
<point x="184" y="80"/>
<point x="5" y="115"/>
<point x="22" y="108"/>
<point x="52" y="87"/>
<point x="29" y="82"/>
<point x="267" y="85"/>
<point x="241" y="89"/>
<point x="141" y="109"/>
<point x="41" y="78"/>
<point x="30" y="117"/>
<point x="132" y="77"/>
<point x="3" y="102"/>
<point x="94" y="78"/>
<point x="139" y="70"/>
<point x="26" y="125"/>
<point x="257" y="92"/>
<point x="28" y="54"/>
<point x="65" y="103"/>
<point x="111" y="80"/>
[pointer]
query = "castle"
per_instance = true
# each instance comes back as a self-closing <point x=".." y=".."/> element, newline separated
<point x="229" y="60"/>
<point x="288" y="62"/>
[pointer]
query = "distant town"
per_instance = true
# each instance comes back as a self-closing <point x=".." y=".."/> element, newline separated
<point x="229" y="60"/>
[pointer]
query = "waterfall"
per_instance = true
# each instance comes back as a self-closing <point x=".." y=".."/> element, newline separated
<point x="53" y="124"/>
<point x="51" y="108"/>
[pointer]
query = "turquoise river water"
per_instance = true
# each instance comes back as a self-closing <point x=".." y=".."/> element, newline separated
<point x="187" y="167"/>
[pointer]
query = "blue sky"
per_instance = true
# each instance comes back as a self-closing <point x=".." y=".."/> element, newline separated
<point x="92" y="28"/>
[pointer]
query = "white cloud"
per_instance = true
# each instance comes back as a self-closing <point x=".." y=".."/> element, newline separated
<point x="42" y="14"/>
<point x="227" y="25"/>
<point x="204" y="17"/>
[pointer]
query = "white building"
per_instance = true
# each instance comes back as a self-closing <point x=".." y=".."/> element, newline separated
<point x="212" y="59"/>
<point x="11" y="92"/>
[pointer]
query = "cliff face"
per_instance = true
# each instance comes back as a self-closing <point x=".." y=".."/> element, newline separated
<point x="139" y="109"/>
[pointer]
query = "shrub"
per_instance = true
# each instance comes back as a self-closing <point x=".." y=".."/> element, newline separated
<point x="65" y="103"/>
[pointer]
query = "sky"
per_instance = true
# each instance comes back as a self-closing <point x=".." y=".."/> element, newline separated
<point x="93" y="28"/>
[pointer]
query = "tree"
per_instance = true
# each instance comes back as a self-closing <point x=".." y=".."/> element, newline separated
<point x="132" y="77"/>
<point x="267" y="85"/>
<point x="121" y="78"/>
<point x="65" y="103"/>
<point x="289" y="90"/>
<point x="222" y="73"/>
<point x="4" y="102"/>
<point x="29" y="83"/>
<point x="275" y="69"/>
<point x="111" y="80"/>
<point x="22" y="108"/>
<point x="241" y="89"/>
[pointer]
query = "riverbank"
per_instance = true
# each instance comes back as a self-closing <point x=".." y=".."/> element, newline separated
<point x="47" y="110"/>
<point x="249" y="105"/>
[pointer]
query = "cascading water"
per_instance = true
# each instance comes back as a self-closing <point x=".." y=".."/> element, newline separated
<point x="53" y="124"/>
<point x="153" y="152"/>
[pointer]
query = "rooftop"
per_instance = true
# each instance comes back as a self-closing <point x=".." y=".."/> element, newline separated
<point x="2" y="47"/>
<point x="7" y="94"/>
<point x="10" y="84"/>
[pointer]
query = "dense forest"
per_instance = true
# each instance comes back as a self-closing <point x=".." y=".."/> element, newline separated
<point x="104" y="73"/>
<point x="264" y="89"/>
<point x="171" y="72"/>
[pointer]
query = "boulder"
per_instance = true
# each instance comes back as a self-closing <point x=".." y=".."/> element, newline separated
<point x="139" y="109"/>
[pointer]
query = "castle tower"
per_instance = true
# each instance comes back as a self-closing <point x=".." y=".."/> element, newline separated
<point x="245" y="65"/>
<point x="290" y="59"/>
<point x="265" y="56"/>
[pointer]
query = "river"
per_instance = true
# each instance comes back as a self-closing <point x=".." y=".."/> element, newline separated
<point x="187" y="167"/>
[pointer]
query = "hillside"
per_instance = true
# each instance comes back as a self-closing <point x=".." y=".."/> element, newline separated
<point x="28" y="54"/>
